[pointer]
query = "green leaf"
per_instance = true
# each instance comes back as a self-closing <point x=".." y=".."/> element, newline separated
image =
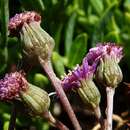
<point x="98" y="6"/>
<point x="4" y="29"/>
<point x="58" y="63"/>
<point x="0" y="37"/>
<point x="4" y="20"/>
<point x="57" y="36"/>
<point x="127" y="17"/>
<point x="69" y="33"/>
<point x="45" y="126"/>
<point x="99" y="29"/>
<point x="108" y="11"/>
<point x="92" y="19"/>
<point x="113" y="36"/>
<point x="40" y="80"/>
<point x="36" y="5"/>
<point x="78" y="50"/>
<point x="40" y="4"/>
<point x="127" y="5"/>
<point x="6" y="125"/>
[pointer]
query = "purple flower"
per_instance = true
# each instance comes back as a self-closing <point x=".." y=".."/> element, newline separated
<point x="106" y="58"/>
<point x="74" y="78"/>
<point x="16" y="23"/>
<point x="81" y="80"/>
<point x="90" y="62"/>
<point x="106" y="49"/>
<point x="10" y="86"/>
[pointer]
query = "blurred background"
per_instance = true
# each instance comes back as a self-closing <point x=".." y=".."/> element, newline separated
<point x="76" y="26"/>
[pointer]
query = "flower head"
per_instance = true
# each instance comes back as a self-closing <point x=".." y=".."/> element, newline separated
<point x="15" y="86"/>
<point x="11" y="85"/>
<point x="81" y="80"/>
<point x="106" y="57"/>
<point x="37" y="42"/>
<point x="106" y="49"/>
<point x="74" y="78"/>
<point x="16" y="23"/>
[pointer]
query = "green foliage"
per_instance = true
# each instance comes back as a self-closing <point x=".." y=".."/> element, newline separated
<point x="76" y="25"/>
<point x="78" y="50"/>
<point x="4" y="30"/>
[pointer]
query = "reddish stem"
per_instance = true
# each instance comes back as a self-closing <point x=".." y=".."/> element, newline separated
<point x="99" y="117"/>
<point x="54" y="122"/>
<point x="60" y="92"/>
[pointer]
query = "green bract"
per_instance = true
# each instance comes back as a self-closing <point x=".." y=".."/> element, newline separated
<point x="109" y="72"/>
<point x="37" y="42"/>
<point x="36" y="99"/>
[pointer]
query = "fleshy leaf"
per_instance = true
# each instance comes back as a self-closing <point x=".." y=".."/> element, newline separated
<point x="69" y="33"/>
<point x="78" y="50"/>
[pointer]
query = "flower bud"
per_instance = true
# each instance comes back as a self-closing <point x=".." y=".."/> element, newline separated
<point x="81" y="80"/>
<point x="89" y="94"/>
<point x="109" y="72"/>
<point x="106" y="58"/>
<point x="36" y="99"/>
<point x="37" y="42"/>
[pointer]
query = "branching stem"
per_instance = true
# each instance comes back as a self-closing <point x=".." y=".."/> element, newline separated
<point x="60" y="92"/>
<point x="54" y="122"/>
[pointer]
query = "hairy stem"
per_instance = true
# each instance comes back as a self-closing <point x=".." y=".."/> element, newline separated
<point x="12" y="118"/>
<point x="99" y="117"/>
<point x="60" y="92"/>
<point x="54" y="122"/>
<point x="110" y="94"/>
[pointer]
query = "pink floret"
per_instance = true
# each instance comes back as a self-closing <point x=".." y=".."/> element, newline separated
<point x="11" y="85"/>
<point x="16" y="22"/>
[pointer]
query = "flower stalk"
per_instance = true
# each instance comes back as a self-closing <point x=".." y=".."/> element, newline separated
<point x="99" y="117"/>
<point x="60" y="92"/>
<point x="54" y="122"/>
<point x="108" y="72"/>
<point x="109" y="112"/>
<point x="12" y="118"/>
<point x="81" y="81"/>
